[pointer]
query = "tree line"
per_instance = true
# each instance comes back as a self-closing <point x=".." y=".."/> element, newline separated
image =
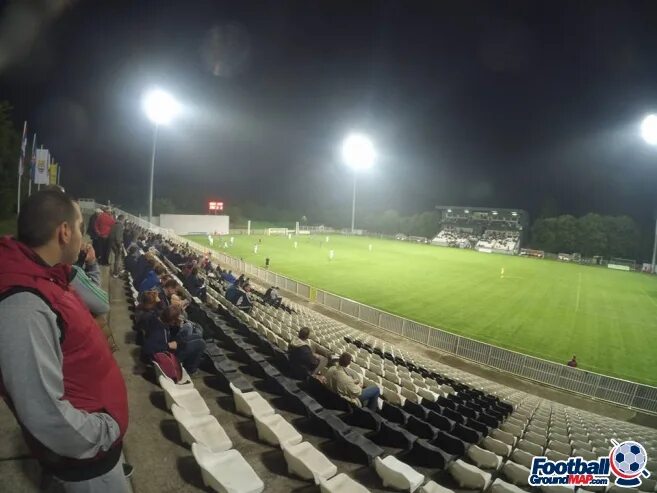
<point x="592" y="234"/>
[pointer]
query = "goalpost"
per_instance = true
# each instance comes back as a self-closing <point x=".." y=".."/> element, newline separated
<point x="621" y="264"/>
<point x="276" y="231"/>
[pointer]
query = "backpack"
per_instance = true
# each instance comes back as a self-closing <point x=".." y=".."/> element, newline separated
<point x="169" y="364"/>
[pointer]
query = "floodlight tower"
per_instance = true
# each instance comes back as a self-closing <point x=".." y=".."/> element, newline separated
<point x="160" y="108"/>
<point x="649" y="134"/>
<point x="358" y="153"/>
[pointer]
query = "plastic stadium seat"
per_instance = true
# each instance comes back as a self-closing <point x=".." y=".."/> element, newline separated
<point x="415" y="409"/>
<point x="392" y="397"/>
<point x="557" y="488"/>
<point x="274" y="429"/>
<point x="410" y="395"/>
<point x="500" y="486"/>
<point x="396" y="474"/>
<point x="355" y="444"/>
<point x="427" y="394"/>
<point x="561" y="447"/>
<point x="427" y="454"/>
<point x="186" y="397"/>
<point x="204" y="429"/>
<point x="496" y="446"/>
<point x="250" y="403"/>
<point x="536" y="438"/>
<point x="585" y="454"/>
<point x="517" y="474"/>
<point x="555" y="455"/>
<point x="530" y="447"/>
<point x="421" y="428"/>
<point x="306" y="462"/>
<point x="648" y="485"/>
<point x="440" y="421"/>
<point x="466" y="433"/>
<point x="393" y="435"/>
<point x="484" y="459"/>
<point x="450" y="444"/>
<point x="503" y="436"/>
<point x="469" y="476"/>
<point x="433" y="487"/>
<point x="341" y="484"/>
<point x="523" y="458"/>
<point x="578" y="444"/>
<point x="185" y="379"/>
<point x="394" y="413"/>
<point x="226" y="472"/>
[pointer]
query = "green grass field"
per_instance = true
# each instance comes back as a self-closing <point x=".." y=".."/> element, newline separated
<point x="543" y="308"/>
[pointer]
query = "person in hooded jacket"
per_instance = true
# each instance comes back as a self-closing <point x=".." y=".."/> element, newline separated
<point x="301" y="353"/>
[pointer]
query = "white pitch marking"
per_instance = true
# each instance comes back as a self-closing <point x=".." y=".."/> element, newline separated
<point x="579" y="288"/>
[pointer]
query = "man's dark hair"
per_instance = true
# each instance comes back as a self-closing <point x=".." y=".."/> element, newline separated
<point x="304" y="332"/>
<point x="345" y="360"/>
<point x="171" y="314"/>
<point x="41" y="214"/>
<point x="171" y="283"/>
<point x="121" y="217"/>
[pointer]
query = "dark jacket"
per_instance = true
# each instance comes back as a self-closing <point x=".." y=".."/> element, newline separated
<point x="116" y="234"/>
<point x="157" y="337"/>
<point x="91" y="226"/>
<point x="151" y="281"/>
<point x="301" y="354"/>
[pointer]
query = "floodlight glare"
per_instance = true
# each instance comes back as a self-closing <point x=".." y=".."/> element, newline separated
<point x="160" y="107"/>
<point x="358" y="151"/>
<point x="649" y="129"/>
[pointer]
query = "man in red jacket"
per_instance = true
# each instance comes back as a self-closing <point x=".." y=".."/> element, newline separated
<point x="103" y="225"/>
<point x="57" y="373"/>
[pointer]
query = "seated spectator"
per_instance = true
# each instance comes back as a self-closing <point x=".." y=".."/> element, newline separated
<point x="146" y="310"/>
<point x="131" y="259"/>
<point x="239" y="296"/>
<point x="573" y="362"/>
<point x="195" y="285"/>
<point x="165" y="334"/>
<point x="228" y="277"/>
<point x="347" y="384"/>
<point x="272" y="297"/>
<point x="145" y="263"/>
<point x="152" y="279"/>
<point x="301" y="353"/>
<point x="240" y="280"/>
<point x="166" y="291"/>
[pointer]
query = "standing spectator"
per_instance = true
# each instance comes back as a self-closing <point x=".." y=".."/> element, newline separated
<point x="103" y="227"/>
<point x="116" y="245"/>
<point x="58" y="375"/>
<point x="91" y="229"/>
<point x="349" y="386"/>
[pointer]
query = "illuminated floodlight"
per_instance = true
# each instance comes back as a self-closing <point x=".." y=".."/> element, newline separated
<point x="649" y="129"/>
<point x="358" y="151"/>
<point x="467" y="211"/>
<point x="494" y="213"/>
<point x="514" y="213"/>
<point x="449" y="210"/>
<point x="160" y="107"/>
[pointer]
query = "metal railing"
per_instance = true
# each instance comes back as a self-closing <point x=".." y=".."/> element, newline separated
<point x="593" y="385"/>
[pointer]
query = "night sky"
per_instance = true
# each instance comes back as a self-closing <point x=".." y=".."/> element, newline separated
<point x="513" y="104"/>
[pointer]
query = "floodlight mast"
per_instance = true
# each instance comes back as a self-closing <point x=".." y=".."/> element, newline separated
<point x="357" y="153"/>
<point x="649" y="134"/>
<point x="160" y="108"/>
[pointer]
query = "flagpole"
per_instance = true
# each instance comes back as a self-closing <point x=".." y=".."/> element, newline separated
<point x="20" y="168"/>
<point x="59" y="170"/>
<point x="38" y="184"/>
<point x="32" y="164"/>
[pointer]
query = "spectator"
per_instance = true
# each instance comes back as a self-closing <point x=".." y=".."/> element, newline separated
<point x="348" y="385"/>
<point x="302" y="354"/>
<point x="115" y="242"/>
<point x="103" y="227"/>
<point x="152" y="279"/>
<point x="239" y="296"/>
<point x="272" y="297"/>
<point x="91" y="229"/>
<point x="228" y="277"/>
<point x="132" y="258"/>
<point x="166" y="291"/>
<point x="144" y="312"/>
<point x="58" y="375"/>
<point x="195" y="285"/>
<point x="163" y="333"/>
<point x="573" y="362"/>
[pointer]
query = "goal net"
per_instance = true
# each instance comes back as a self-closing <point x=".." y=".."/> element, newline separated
<point x="276" y="231"/>
<point x="621" y="264"/>
<point x="528" y="252"/>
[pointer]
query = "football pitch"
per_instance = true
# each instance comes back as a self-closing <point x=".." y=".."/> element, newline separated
<point x="544" y="308"/>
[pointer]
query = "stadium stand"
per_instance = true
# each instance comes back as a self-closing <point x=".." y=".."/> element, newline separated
<point x="484" y="229"/>
<point x="436" y="428"/>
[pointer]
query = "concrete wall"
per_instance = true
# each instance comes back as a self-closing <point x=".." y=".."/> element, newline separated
<point x="184" y="224"/>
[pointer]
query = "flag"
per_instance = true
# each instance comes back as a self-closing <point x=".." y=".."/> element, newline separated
<point x="21" y="158"/>
<point x="33" y="158"/>
<point x="53" y="173"/>
<point x="41" y="169"/>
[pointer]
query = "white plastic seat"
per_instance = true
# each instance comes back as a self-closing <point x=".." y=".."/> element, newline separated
<point x="204" y="429"/>
<point x="185" y="396"/>
<point x="530" y="447"/>
<point x="537" y="438"/>
<point x="504" y="437"/>
<point x="560" y="447"/>
<point x="185" y="379"/>
<point x="585" y="454"/>
<point x="392" y="397"/>
<point x="557" y="488"/>
<point x="341" y="484"/>
<point x="523" y="458"/>
<point x="499" y="448"/>
<point x="500" y="486"/>
<point x="307" y="462"/>
<point x="484" y="459"/>
<point x="515" y="430"/>
<point x="274" y="429"/>
<point x="517" y="474"/>
<point x="410" y="395"/>
<point x="427" y="394"/>
<point x="396" y="474"/>
<point x="226" y="472"/>
<point x="556" y="455"/>
<point x="250" y="403"/>
<point x="433" y="487"/>
<point x="469" y="476"/>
